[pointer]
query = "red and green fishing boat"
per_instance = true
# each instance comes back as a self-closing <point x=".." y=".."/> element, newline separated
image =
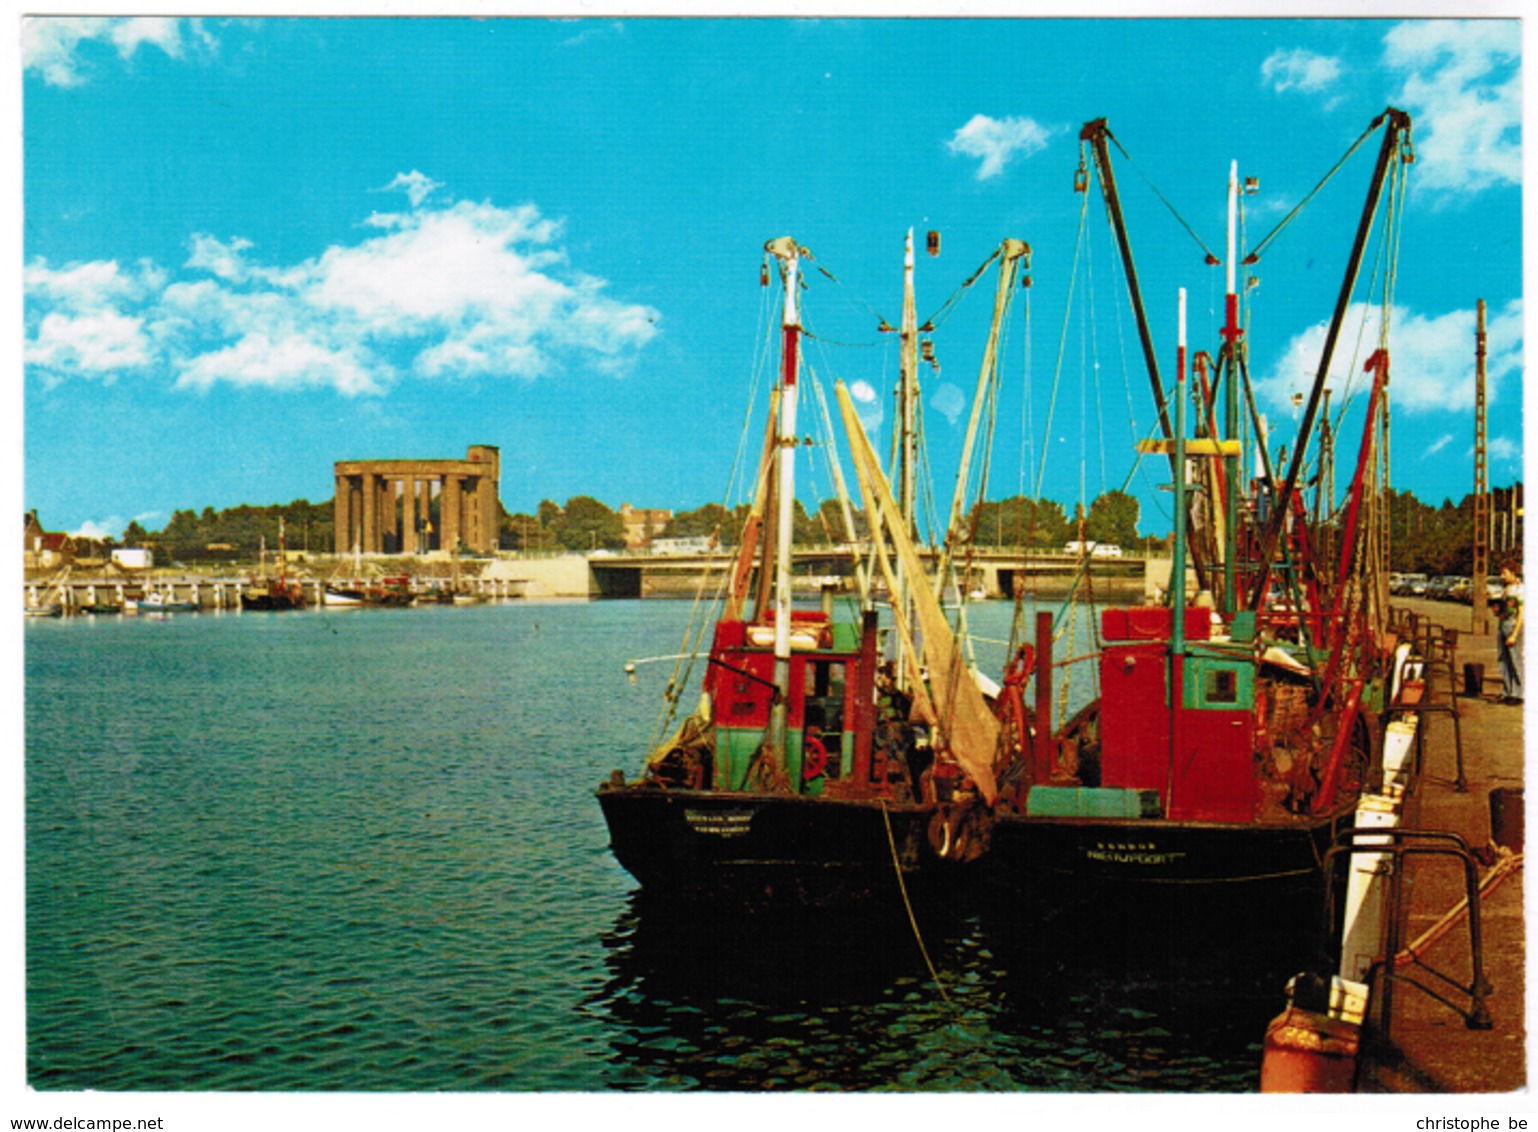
<point x="1236" y="725"/>
<point x="817" y="760"/>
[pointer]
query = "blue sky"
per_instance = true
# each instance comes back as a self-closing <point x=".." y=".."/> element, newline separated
<point x="253" y="247"/>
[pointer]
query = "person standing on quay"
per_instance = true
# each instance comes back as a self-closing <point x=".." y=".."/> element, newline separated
<point x="1510" y="629"/>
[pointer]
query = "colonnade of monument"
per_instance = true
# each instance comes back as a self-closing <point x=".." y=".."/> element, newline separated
<point x="417" y="506"/>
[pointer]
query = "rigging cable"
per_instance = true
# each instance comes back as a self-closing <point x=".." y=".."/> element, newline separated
<point x="1260" y="248"/>
<point x="1094" y="345"/>
<point x="1057" y="373"/>
<point x="1126" y="384"/>
<point x="947" y="308"/>
<point x="1191" y="231"/>
<point x="1027" y="424"/>
<point x="696" y="626"/>
<point x="854" y="295"/>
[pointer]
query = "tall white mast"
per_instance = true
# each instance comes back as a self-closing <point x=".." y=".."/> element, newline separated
<point x="785" y="250"/>
<point x="1229" y="515"/>
<point x="907" y="396"/>
<point x="907" y="390"/>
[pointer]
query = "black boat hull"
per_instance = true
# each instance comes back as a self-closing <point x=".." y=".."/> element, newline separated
<point x="1255" y="891"/>
<point x="766" y="850"/>
<point x="267" y="603"/>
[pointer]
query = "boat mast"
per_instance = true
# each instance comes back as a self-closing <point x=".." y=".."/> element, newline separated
<point x="907" y="391"/>
<point x="1232" y="344"/>
<point x="1178" y="555"/>
<point x="907" y="397"/>
<point x="1011" y="253"/>
<point x="1095" y="134"/>
<point x="1178" y="562"/>
<point x="785" y="250"/>
<point x="1394" y="145"/>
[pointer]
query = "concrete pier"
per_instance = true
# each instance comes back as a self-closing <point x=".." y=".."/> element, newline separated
<point x="1428" y="1048"/>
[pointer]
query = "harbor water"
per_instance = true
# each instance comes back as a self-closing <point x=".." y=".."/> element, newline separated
<point x="359" y="851"/>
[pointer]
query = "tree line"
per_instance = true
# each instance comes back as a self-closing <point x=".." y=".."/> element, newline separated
<point x="1425" y="539"/>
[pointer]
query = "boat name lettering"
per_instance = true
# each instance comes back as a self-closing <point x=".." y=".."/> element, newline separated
<point x="727" y="823"/>
<point x="1130" y="853"/>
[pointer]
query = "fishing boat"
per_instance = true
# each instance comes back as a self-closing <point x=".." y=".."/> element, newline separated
<point x="341" y="595"/>
<point x="356" y="593"/>
<point x="391" y="591"/>
<point x="1236" y="725"/>
<point x="810" y="772"/>
<point x="158" y="602"/>
<point x="268" y="592"/>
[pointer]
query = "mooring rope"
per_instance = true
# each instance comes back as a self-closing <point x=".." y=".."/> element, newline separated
<point x="1508" y="864"/>
<point x="902" y="887"/>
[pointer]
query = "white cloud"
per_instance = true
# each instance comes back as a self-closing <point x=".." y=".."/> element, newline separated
<point x="99" y="344"/>
<point x="162" y="31"/>
<point x="110" y="527"/>
<point x="1431" y="360"/>
<point x="1300" y="70"/>
<point x="439" y="266"/>
<point x="90" y="286"/>
<point x="1504" y="448"/>
<point x="1437" y="445"/>
<point x="417" y="186"/>
<point x="949" y="402"/>
<point x="1463" y="88"/>
<point x="50" y="45"/>
<point x="289" y="362"/>
<point x="461" y="289"/>
<point x="223" y="260"/>
<point x="867" y="406"/>
<point x="998" y="141"/>
<point x="594" y="31"/>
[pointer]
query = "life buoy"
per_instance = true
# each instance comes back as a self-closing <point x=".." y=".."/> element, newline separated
<point x="814" y="757"/>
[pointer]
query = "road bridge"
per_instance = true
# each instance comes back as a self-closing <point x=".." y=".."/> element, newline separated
<point x="997" y="573"/>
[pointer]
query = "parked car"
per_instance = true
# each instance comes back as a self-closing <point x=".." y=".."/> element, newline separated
<point x="1442" y="588"/>
<point x="1462" y="590"/>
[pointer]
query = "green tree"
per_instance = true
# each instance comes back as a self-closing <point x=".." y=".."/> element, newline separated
<point x="526" y="533"/>
<point x="711" y="520"/>
<point x="1113" y="518"/>
<point x="805" y="530"/>
<point x="830" y="515"/>
<point x="587" y="524"/>
<point x="1018" y="521"/>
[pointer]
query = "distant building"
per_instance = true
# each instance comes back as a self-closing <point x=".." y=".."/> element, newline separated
<point x="641" y="526"/>
<point x="45" y="550"/>
<point x="133" y="557"/>
<point x="419" y="506"/>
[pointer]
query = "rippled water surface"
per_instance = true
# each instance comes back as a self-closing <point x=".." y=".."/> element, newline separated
<point x="359" y="851"/>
